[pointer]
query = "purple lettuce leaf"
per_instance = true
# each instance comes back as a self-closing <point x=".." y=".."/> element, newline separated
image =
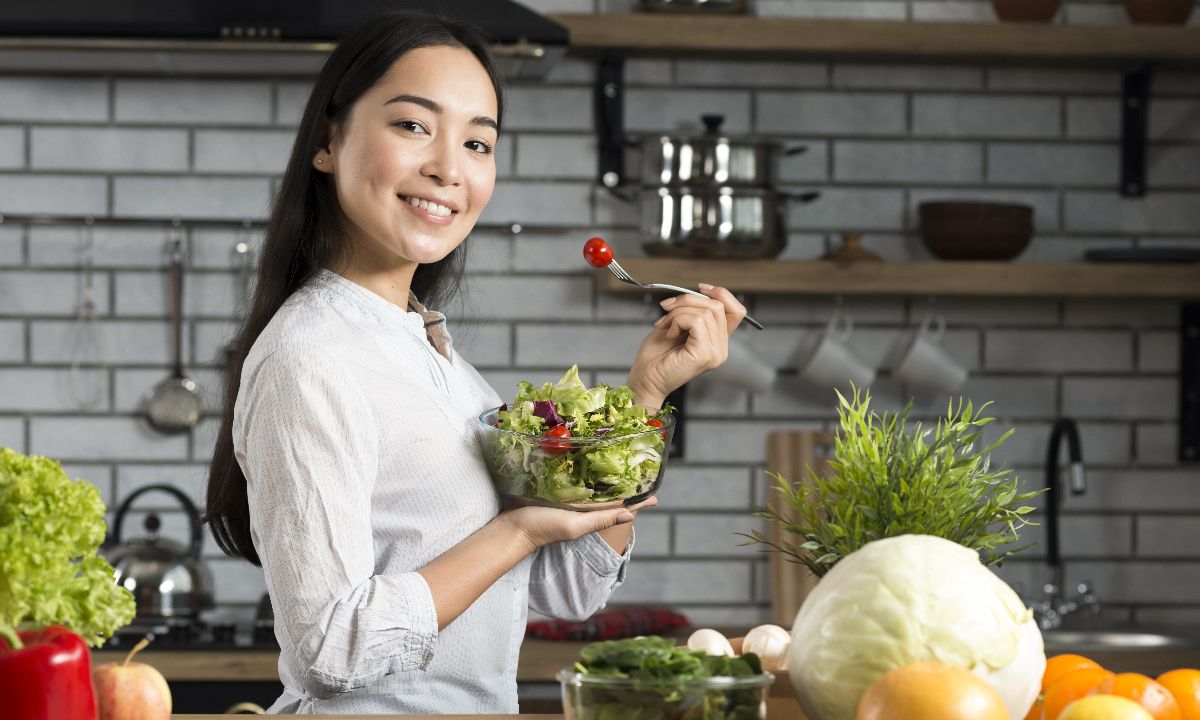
<point x="545" y="410"/>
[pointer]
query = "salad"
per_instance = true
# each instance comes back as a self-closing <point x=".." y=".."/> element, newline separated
<point x="650" y="678"/>
<point x="568" y="443"/>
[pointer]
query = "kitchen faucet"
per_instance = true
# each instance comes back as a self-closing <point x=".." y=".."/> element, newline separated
<point x="1051" y="609"/>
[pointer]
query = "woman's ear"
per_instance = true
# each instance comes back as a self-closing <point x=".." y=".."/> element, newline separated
<point x="323" y="160"/>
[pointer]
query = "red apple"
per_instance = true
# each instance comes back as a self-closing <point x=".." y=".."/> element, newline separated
<point x="131" y="690"/>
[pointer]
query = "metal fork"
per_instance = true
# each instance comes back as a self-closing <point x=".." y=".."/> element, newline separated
<point x="620" y="274"/>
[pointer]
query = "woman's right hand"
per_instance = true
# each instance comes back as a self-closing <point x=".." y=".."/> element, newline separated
<point x="543" y="525"/>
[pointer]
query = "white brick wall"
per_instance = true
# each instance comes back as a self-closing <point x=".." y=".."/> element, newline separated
<point x="881" y="139"/>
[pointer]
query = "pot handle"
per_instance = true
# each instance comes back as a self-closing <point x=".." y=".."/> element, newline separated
<point x="795" y="150"/>
<point x="620" y="194"/>
<point x="804" y="197"/>
<point x="193" y="550"/>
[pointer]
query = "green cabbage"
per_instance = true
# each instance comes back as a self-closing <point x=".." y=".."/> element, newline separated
<point x="908" y="599"/>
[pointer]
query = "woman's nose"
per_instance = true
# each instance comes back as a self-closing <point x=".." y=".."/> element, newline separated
<point x="442" y="163"/>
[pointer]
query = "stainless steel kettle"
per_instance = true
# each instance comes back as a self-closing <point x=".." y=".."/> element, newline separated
<point x="167" y="579"/>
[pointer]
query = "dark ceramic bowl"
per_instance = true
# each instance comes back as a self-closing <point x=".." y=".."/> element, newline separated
<point x="965" y="230"/>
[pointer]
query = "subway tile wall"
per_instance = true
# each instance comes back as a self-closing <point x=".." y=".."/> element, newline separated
<point x="880" y="139"/>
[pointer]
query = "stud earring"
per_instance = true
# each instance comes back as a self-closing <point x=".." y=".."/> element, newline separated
<point x="320" y="161"/>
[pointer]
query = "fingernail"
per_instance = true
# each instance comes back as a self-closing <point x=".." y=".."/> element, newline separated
<point x="706" y="286"/>
<point x="624" y="517"/>
<point x="668" y="302"/>
<point x="660" y="320"/>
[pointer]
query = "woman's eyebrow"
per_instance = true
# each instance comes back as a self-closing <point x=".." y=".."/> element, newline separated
<point x="434" y="107"/>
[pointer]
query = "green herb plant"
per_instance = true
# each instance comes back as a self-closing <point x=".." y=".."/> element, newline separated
<point x="658" y="681"/>
<point x="889" y="477"/>
<point x="50" y="574"/>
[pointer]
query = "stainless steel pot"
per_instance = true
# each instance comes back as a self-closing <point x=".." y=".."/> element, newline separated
<point x="709" y="159"/>
<point x="167" y="579"/>
<point x="723" y="222"/>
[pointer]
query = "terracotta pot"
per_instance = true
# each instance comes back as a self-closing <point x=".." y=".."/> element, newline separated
<point x="1159" y="12"/>
<point x="1026" y="10"/>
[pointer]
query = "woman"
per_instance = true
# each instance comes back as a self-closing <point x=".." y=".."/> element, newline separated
<point x="347" y="464"/>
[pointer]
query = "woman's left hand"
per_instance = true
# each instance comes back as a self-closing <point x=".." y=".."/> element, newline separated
<point x="692" y="338"/>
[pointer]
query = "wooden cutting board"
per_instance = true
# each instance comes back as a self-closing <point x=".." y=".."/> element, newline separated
<point x="791" y="453"/>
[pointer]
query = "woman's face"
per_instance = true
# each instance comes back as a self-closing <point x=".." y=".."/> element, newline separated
<point x="413" y="164"/>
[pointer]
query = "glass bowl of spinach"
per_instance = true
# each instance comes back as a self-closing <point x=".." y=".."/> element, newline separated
<point x="648" y="678"/>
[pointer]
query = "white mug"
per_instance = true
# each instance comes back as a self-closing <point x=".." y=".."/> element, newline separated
<point x="921" y="360"/>
<point x="743" y="368"/>
<point x="831" y="362"/>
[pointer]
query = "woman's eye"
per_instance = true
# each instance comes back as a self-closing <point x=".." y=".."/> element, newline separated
<point x="480" y="147"/>
<point x="409" y="125"/>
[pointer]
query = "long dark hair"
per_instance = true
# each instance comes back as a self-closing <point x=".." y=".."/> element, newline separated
<point x="304" y="233"/>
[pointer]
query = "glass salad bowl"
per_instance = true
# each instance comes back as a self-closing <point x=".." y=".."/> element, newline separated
<point x="575" y="473"/>
<point x="588" y="697"/>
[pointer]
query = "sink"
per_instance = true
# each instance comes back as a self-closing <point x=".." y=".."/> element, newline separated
<point x="1117" y="640"/>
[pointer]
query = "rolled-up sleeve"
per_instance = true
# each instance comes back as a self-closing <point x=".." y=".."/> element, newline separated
<point x="308" y="443"/>
<point x="573" y="580"/>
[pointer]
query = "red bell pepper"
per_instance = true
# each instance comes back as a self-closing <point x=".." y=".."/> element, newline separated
<point x="49" y="678"/>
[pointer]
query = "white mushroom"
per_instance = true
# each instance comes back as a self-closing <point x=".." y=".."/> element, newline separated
<point x="771" y="644"/>
<point x="710" y="642"/>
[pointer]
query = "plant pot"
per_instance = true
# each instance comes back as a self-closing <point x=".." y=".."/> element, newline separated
<point x="1026" y="10"/>
<point x="1159" y="12"/>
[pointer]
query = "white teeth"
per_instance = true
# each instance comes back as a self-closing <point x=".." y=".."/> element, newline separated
<point x="429" y="207"/>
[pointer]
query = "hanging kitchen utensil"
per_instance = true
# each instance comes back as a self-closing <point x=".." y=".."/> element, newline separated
<point x="167" y="579"/>
<point x="85" y="337"/>
<point x="174" y="405"/>
<point x="244" y="261"/>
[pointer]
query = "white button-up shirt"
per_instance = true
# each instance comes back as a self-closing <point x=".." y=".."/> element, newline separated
<point x="359" y="445"/>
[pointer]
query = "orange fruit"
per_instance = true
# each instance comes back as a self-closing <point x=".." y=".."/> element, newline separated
<point x="1035" y="712"/>
<point x="1071" y="687"/>
<point x="1184" y="684"/>
<point x="925" y="690"/>
<point x="1155" y="698"/>
<point x="1104" y="707"/>
<point x="1060" y="665"/>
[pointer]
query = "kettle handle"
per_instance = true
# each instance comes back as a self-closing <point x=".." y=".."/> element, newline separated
<point x="189" y="507"/>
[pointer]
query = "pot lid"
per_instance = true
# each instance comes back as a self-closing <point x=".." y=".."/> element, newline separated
<point x="712" y="134"/>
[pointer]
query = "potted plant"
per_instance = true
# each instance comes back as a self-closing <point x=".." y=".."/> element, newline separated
<point x="890" y="478"/>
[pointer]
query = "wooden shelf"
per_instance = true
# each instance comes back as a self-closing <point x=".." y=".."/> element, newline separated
<point x="963" y="279"/>
<point x="790" y="38"/>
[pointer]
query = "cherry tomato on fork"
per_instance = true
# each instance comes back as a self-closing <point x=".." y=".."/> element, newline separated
<point x="556" y="447"/>
<point x="597" y="252"/>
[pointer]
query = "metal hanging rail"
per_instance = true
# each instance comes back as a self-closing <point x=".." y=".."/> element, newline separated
<point x="97" y="220"/>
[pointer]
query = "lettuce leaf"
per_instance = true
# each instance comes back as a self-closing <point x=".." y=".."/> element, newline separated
<point x="50" y="530"/>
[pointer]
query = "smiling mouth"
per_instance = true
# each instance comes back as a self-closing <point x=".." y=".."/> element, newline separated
<point x="430" y="207"/>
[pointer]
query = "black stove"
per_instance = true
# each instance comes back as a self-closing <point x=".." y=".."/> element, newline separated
<point x="194" y="634"/>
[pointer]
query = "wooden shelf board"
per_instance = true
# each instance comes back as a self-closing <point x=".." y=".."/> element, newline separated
<point x="754" y="37"/>
<point x="976" y="279"/>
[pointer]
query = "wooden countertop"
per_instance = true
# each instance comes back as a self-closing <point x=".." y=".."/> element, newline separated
<point x="540" y="661"/>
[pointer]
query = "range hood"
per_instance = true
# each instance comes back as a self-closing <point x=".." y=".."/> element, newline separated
<point x="188" y="35"/>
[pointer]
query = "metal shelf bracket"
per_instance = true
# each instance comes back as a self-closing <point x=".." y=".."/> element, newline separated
<point x="1189" y="383"/>
<point x="610" y="120"/>
<point x="1135" y="106"/>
